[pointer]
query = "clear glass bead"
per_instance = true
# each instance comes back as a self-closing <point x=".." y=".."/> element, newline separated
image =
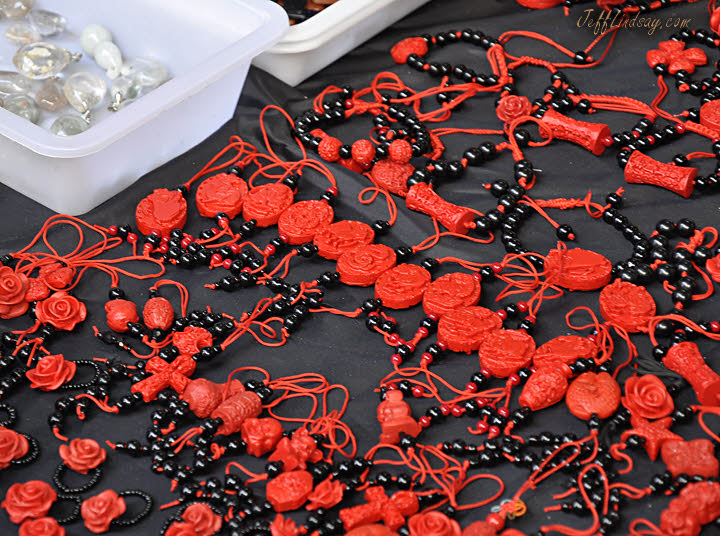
<point x="22" y="105"/>
<point x="108" y="56"/>
<point x="92" y="35"/>
<point x="22" y="33"/>
<point x="123" y="90"/>
<point x="149" y="72"/>
<point x="50" y="97"/>
<point x="84" y="91"/>
<point x="41" y="60"/>
<point x="15" y="9"/>
<point x="69" y="125"/>
<point x="12" y="83"/>
<point x="48" y="23"/>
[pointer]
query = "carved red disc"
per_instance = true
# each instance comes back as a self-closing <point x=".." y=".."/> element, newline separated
<point x="505" y="351"/>
<point x="577" y="269"/>
<point x="565" y="349"/>
<point x="265" y="203"/>
<point x="303" y="219"/>
<point x="710" y="115"/>
<point x="224" y="192"/>
<point x="333" y="240"/>
<point x="362" y="266"/>
<point x="592" y="393"/>
<point x="627" y="305"/>
<point x="162" y="211"/>
<point x="290" y="490"/>
<point x="392" y="176"/>
<point x="465" y="328"/>
<point x="402" y="286"/>
<point x="451" y="291"/>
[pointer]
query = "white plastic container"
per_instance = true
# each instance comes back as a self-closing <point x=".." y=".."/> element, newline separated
<point x="314" y="44"/>
<point x="207" y="47"/>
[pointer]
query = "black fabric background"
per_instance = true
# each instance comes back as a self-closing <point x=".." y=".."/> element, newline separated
<point x="341" y="348"/>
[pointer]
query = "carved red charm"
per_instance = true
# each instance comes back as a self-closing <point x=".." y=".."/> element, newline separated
<point x="402" y="286"/>
<point x="647" y="397"/>
<point x="336" y="238"/>
<point x="696" y="457"/>
<point x="119" y="313"/>
<point x="191" y="340"/>
<point x="28" y="500"/>
<point x="326" y="494"/>
<point x="465" y="328"/>
<point x="363" y="152"/>
<point x="710" y="114"/>
<point x="379" y="507"/>
<point x="235" y="410"/>
<point x="261" y="435"/>
<point x="697" y="505"/>
<point x="433" y="523"/>
<point x="685" y="359"/>
<point x="100" y="510"/>
<point x="57" y="276"/>
<point x="361" y="266"/>
<point x="392" y="176"/>
<point x="61" y="310"/>
<point x="164" y="375"/>
<point x="451" y="291"/>
<point x="412" y="45"/>
<point x="201" y="517"/>
<point x="546" y="387"/>
<point x="289" y="490"/>
<point x="626" y="305"/>
<point x="13" y="446"/>
<point x="713" y="265"/>
<point x="51" y="372"/>
<point x="505" y="351"/>
<point x="395" y="417"/>
<point x="586" y="135"/>
<point x="577" y="269"/>
<point x="203" y="396"/>
<point x="329" y="148"/>
<point x="643" y="169"/>
<point x="224" y="192"/>
<point x="655" y="433"/>
<point x="303" y="219"/>
<point x="512" y="107"/>
<point x="296" y="451"/>
<point x="43" y="526"/>
<point x="158" y="313"/>
<point x="266" y="203"/>
<point x="162" y="211"/>
<point x="593" y="394"/>
<point x="676" y="56"/>
<point x="422" y="198"/>
<point x="82" y="455"/>
<point x="565" y="349"/>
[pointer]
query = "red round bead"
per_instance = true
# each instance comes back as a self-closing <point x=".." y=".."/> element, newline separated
<point x="715" y="326"/>
<point x="472" y="387"/>
<point x="426" y="358"/>
<point x="522" y="307"/>
<point x="502" y="313"/>
<point x="423" y="332"/>
<point x="332" y="190"/>
<point x="497" y="267"/>
<point x="227" y="263"/>
<point x="163" y="248"/>
<point x="223" y="222"/>
<point x="424" y="421"/>
<point x="485" y="372"/>
<point x="493" y="431"/>
<point x="216" y="258"/>
<point x="442" y="345"/>
<point x="445" y="409"/>
<point x="433" y="316"/>
<point x="607" y="141"/>
<point x="482" y="427"/>
<point x="132" y="238"/>
<point x="457" y="411"/>
<point x="269" y="250"/>
<point x="235" y="248"/>
<point x="680" y="128"/>
<point x="496" y="520"/>
<point x="514" y="379"/>
<point x="112" y="230"/>
<point x="394" y="338"/>
<point x="396" y="359"/>
<point x="185" y="243"/>
<point x="504" y="412"/>
<point x="418" y="391"/>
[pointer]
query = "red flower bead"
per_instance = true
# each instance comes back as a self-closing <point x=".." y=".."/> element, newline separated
<point x="51" y="372"/>
<point x="30" y="500"/>
<point x="433" y="523"/>
<point x="61" y="311"/>
<point x="647" y="397"/>
<point x="326" y="494"/>
<point x="204" y="521"/>
<point x="412" y="45"/>
<point x="44" y="526"/>
<point x="82" y="455"/>
<point x="13" y="288"/>
<point x="13" y="446"/>
<point x="676" y="56"/>
<point x="400" y="151"/>
<point x="512" y="107"/>
<point x="180" y="529"/>
<point x="99" y="511"/>
<point x="119" y="313"/>
<point x="283" y="526"/>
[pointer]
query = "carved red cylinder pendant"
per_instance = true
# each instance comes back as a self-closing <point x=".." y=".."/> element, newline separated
<point x="582" y="133"/>
<point x="642" y="169"/>
<point x="685" y="359"/>
<point x="422" y="198"/>
<point x="235" y="410"/>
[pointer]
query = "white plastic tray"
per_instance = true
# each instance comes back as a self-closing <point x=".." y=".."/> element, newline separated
<point x="207" y="47"/>
<point x="316" y="43"/>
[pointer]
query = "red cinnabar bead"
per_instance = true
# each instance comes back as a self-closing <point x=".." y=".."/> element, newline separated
<point x="643" y="169"/>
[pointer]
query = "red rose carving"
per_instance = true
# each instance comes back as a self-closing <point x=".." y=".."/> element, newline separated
<point x="30" y="500"/>
<point x="204" y="521"/>
<point x="45" y="526"/>
<point x="191" y="340"/>
<point x="511" y="107"/>
<point x="326" y="494"/>
<point x="61" y="310"/>
<point x="82" y="455"/>
<point x="51" y="372"/>
<point x="433" y="523"/>
<point x="13" y="446"/>
<point x="647" y="397"/>
<point x="180" y="529"/>
<point x="283" y="526"/>
<point x="119" y="313"/>
<point x="57" y="276"/>
<point x="99" y="511"/>
<point x="13" y="288"/>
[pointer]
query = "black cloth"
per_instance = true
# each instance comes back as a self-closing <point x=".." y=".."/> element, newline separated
<point x="343" y="349"/>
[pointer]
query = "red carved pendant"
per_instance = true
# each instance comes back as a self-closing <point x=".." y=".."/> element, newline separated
<point x="402" y="286"/>
<point x="266" y="203"/>
<point x="465" y="328"/>
<point x="224" y="192"/>
<point x="592" y="393"/>
<point x="626" y="305"/>
<point x="290" y="490"/>
<point x="361" y="266"/>
<point x="161" y="211"/>
<point x="505" y="351"/>
<point x="546" y="387"/>
<point x="577" y="269"/>
<point x="565" y="349"/>
<point x="451" y="291"/>
<point x="696" y="457"/>
<point x="303" y="219"/>
<point x="336" y="238"/>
